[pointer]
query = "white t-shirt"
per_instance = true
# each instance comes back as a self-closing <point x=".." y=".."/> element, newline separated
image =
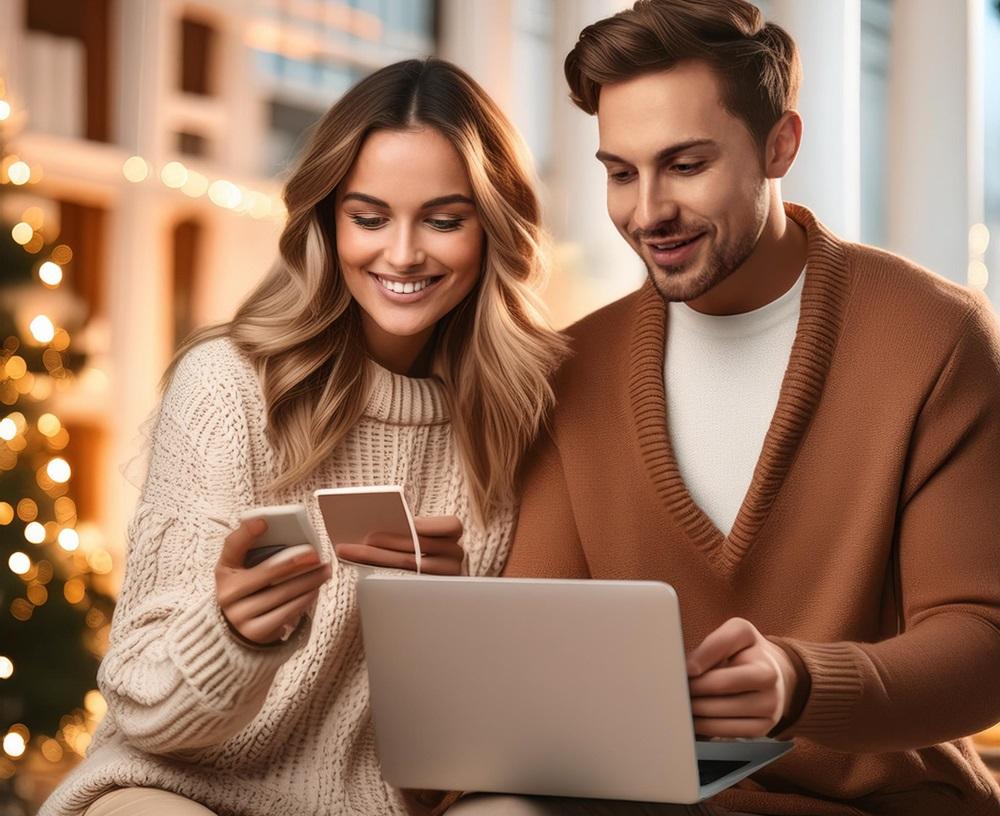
<point x="723" y="374"/>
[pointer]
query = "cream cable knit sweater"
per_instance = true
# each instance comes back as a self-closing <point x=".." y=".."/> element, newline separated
<point x="255" y="732"/>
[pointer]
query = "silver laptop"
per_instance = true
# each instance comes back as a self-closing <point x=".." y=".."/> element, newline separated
<point x="550" y="687"/>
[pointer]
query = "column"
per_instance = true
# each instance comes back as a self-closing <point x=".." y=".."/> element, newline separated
<point x="826" y="176"/>
<point x="478" y="38"/>
<point x="936" y="133"/>
<point x="594" y="263"/>
<point x="139" y="283"/>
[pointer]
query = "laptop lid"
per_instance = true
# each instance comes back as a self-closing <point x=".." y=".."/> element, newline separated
<point x="550" y="687"/>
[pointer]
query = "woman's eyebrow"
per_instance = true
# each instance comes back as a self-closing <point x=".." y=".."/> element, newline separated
<point x="440" y="201"/>
<point x="366" y="199"/>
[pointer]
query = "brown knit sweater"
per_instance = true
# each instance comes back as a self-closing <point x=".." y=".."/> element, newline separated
<point x="866" y="543"/>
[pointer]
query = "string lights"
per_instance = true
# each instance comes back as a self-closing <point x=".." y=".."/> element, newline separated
<point x="50" y="556"/>
<point x="226" y="195"/>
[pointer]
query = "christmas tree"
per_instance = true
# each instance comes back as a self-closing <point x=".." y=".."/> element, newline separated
<point x="54" y="608"/>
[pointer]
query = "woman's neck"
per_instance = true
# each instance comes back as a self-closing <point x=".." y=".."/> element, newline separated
<point x="409" y="356"/>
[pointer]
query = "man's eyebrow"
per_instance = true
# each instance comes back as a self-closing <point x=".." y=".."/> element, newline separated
<point x="663" y="155"/>
<point x="440" y="201"/>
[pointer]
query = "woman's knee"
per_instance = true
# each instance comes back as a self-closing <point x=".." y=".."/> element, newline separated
<point x="498" y="804"/>
<point x="146" y="802"/>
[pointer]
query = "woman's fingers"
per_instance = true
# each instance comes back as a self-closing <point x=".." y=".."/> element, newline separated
<point x="440" y="547"/>
<point x="232" y="584"/>
<point x="438" y="526"/>
<point x="273" y="626"/>
<point x="393" y="559"/>
<point x="236" y="544"/>
<point x="262" y="602"/>
<point x="429" y="545"/>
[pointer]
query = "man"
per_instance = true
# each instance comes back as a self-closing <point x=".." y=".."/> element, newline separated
<point x="800" y="434"/>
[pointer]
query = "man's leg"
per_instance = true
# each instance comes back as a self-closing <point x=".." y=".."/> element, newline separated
<point x="145" y="802"/>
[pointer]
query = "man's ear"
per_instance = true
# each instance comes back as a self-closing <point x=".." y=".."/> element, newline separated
<point x="782" y="145"/>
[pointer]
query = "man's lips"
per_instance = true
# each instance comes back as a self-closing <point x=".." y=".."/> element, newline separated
<point x="674" y="251"/>
<point x="672" y="242"/>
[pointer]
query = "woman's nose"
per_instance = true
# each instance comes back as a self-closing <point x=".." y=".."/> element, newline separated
<point x="403" y="251"/>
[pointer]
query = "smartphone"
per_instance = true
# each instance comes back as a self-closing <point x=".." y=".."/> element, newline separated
<point x="350" y="513"/>
<point x="288" y="525"/>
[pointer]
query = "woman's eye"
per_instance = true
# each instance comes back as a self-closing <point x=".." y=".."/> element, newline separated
<point x="368" y="222"/>
<point x="621" y="177"/>
<point x="445" y="224"/>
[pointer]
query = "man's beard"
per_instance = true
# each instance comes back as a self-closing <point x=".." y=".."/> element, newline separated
<point x="673" y="286"/>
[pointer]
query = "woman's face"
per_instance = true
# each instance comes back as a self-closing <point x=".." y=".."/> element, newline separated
<point x="409" y="239"/>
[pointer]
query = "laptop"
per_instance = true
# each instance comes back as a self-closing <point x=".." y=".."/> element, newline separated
<point x="547" y="687"/>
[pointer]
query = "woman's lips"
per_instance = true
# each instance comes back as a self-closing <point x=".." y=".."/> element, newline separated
<point x="426" y="285"/>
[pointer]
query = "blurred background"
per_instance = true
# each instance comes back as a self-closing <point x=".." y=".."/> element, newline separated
<point x="143" y="145"/>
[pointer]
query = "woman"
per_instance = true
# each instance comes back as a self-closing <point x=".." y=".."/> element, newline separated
<point x="397" y="341"/>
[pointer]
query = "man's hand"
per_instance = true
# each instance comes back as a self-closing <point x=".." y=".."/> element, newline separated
<point x="440" y="547"/>
<point x="741" y="684"/>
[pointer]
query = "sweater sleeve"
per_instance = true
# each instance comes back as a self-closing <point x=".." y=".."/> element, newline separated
<point x="546" y="542"/>
<point x="937" y="679"/>
<point x="174" y="677"/>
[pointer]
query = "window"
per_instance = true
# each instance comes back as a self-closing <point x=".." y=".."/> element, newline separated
<point x="187" y="241"/>
<point x="197" y="51"/>
<point x="82" y="229"/>
<point x="64" y="42"/>
<point x="310" y="52"/>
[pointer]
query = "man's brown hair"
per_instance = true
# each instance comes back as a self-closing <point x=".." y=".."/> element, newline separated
<point x="757" y="63"/>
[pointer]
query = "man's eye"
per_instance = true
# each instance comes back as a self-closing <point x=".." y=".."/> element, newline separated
<point x="446" y="224"/>
<point x="688" y="168"/>
<point x="368" y="222"/>
<point x="621" y="176"/>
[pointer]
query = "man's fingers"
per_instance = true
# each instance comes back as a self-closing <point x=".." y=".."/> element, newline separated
<point x="733" y="680"/>
<point x="737" y="706"/>
<point x="732" y="637"/>
<point x="732" y="727"/>
<point x="234" y="548"/>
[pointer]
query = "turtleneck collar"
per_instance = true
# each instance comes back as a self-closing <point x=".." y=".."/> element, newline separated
<point x="400" y="400"/>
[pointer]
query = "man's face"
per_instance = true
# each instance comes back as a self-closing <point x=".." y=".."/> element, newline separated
<point x="686" y="186"/>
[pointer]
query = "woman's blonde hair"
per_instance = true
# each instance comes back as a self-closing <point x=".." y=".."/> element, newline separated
<point x="494" y="352"/>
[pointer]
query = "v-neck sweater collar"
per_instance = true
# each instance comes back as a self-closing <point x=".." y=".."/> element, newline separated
<point x="823" y="297"/>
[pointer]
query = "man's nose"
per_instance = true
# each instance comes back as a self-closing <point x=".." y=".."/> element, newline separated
<point x="655" y="205"/>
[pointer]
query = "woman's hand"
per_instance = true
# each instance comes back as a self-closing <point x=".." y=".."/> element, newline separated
<point x="741" y="684"/>
<point x="265" y="603"/>
<point x="441" y="552"/>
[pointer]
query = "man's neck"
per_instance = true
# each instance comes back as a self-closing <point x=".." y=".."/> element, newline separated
<point x="771" y="270"/>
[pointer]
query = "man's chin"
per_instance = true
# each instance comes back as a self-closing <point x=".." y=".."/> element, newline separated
<point x="678" y="284"/>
